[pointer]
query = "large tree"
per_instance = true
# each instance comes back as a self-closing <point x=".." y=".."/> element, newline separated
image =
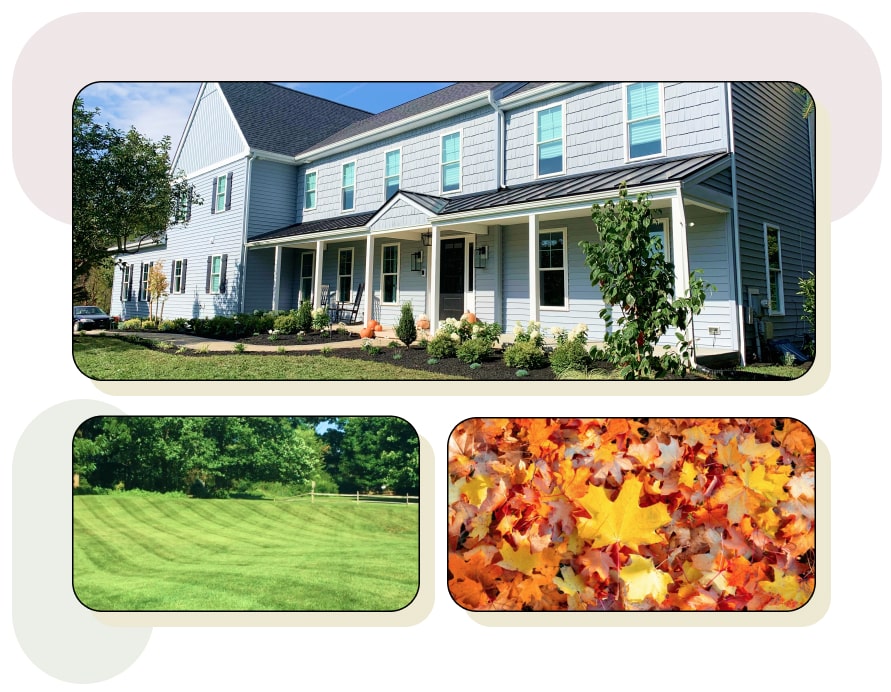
<point x="124" y="193"/>
<point x="374" y="453"/>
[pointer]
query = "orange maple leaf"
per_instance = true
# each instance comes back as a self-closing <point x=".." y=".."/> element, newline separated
<point x="623" y="521"/>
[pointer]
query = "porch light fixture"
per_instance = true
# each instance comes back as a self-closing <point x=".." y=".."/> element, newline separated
<point x="480" y="257"/>
<point x="427" y="239"/>
<point x="416" y="261"/>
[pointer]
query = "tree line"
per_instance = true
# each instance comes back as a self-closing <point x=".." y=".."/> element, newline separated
<point x="218" y="455"/>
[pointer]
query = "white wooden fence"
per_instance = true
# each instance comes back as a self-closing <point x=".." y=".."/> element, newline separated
<point x="354" y="497"/>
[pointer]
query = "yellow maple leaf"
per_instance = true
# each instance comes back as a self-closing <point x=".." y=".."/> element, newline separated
<point x="688" y="475"/>
<point x="476" y="488"/>
<point x="569" y="582"/>
<point x="643" y="580"/>
<point x="752" y="490"/>
<point x="521" y="560"/>
<point x="624" y="521"/>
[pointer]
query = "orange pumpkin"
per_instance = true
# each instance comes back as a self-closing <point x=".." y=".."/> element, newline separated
<point x="423" y="324"/>
<point x="468" y="317"/>
<point x="374" y="325"/>
<point x="367" y="332"/>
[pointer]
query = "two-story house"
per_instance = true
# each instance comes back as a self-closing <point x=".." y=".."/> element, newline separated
<point x="475" y="197"/>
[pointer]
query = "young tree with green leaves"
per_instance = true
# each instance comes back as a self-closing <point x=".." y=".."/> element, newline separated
<point x="629" y="266"/>
<point x="124" y="193"/>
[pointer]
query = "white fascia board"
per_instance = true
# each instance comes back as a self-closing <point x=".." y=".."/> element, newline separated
<point x="397" y="128"/>
<point x="341" y="234"/>
<point x="397" y="232"/>
<point x="544" y="91"/>
<point x="219" y="164"/>
<point x="272" y="156"/>
<point x="656" y="192"/>
<point x="391" y="203"/>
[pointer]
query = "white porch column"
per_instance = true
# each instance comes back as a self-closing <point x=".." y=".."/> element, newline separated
<point x="277" y="277"/>
<point x="433" y="271"/>
<point x="317" y="276"/>
<point x="369" y="275"/>
<point x="681" y="259"/>
<point x="533" y="270"/>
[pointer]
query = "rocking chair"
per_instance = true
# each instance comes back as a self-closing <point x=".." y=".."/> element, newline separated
<point x="346" y="313"/>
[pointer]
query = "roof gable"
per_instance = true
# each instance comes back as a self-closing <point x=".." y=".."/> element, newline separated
<point x="283" y="121"/>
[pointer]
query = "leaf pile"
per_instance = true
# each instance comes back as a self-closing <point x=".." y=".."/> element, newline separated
<point x="631" y="514"/>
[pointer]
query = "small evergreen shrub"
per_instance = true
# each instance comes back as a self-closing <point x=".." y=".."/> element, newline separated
<point x="286" y="323"/>
<point x="406" y="329"/>
<point x="474" y="350"/>
<point x="525" y="354"/>
<point x="304" y="316"/>
<point x="442" y="346"/>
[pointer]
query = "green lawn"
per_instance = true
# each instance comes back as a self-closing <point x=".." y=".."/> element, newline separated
<point x="116" y="359"/>
<point x="145" y="553"/>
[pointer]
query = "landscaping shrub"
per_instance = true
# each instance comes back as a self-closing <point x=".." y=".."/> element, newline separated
<point x="304" y="316"/>
<point x="320" y="318"/>
<point x="442" y="345"/>
<point x="287" y="323"/>
<point x="406" y="329"/>
<point x="525" y="354"/>
<point x="475" y="350"/>
<point x="133" y="324"/>
<point x="571" y="351"/>
<point x="167" y="326"/>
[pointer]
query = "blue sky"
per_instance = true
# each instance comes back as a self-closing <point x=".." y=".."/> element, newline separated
<point x="157" y="109"/>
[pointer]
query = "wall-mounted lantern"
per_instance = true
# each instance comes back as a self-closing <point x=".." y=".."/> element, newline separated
<point x="480" y="257"/>
<point x="427" y="239"/>
<point x="417" y="259"/>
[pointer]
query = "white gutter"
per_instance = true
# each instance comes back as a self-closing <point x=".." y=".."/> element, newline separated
<point x="499" y="140"/>
<point x="545" y="90"/>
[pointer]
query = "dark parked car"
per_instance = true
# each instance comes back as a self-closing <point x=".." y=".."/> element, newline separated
<point x="90" y="317"/>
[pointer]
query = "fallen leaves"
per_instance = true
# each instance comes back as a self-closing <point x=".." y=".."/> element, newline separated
<point x="631" y="514"/>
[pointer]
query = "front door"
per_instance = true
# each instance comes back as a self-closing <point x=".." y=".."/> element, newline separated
<point x="451" y="278"/>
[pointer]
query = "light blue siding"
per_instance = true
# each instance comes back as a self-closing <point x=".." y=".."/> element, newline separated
<point x="708" y="250"/>
<point x="420" y="165"/>
<point x="212" y="135"/>
<point x="411" y="285"/>
<point x="273" y="198"/>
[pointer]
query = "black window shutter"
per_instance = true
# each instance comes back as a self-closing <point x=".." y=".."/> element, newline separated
<point x="130" y="283"/>
<point x="223" y="272"/>
<point x="189" y="204"/>
<point x="182" y="281"/>
<point x="229" y="192"/>
<point x="141" y="269"/>
<point x="213" y="197"/>
<point x="123" y="276"/>
<point x="207" y="282"/>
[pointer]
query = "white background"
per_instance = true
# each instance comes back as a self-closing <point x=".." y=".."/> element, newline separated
<point x="447" y="649"/>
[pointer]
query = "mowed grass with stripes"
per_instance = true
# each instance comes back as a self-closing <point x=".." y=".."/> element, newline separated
<point x="162" y="553"/>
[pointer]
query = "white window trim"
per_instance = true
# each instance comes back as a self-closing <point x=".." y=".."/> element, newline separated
<point x="398" y="175"/>
<point x="219" y="274"/>
<point x="384" y="274"/>
<point x="536" y="143"/>
<point x="342" y="188"/>
<point x="126" y="281"/>
<point x="182" y="286"/>
<point x="626" y="140"/>
<point x="144" y="281"/>
<point x="666" y="237"/>
<point x="316" y="189"/>
<point x="780" y="293"/>
<point x="565" y="269"/>
<point x="220" y="196"/>
<point x="301" y="297"/>
<point x="340" y="276"/>
<point x="442" y="164"/>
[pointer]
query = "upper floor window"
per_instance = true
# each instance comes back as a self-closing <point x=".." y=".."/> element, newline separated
<point x="549" y="140"/>
<point x="644" y="119"/>
<point x="450" y="167"/>
<point x="774" y="269"/>
<point x="348" y="186"/>
<point x="392" y="167"/>
<point x="222" y="194"/>
<point x="552" y="268"/>
<point x="309" y="190"/>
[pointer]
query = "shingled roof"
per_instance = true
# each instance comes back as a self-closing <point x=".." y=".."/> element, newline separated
<point x="283" y="121"/>
<point x="422" y="104"/>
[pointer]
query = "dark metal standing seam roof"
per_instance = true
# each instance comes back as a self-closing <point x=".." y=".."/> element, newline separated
<point x="588" y="183"/>
<point x="436" y="99"/>
<point x="283" y="121"/>
<point x="653" y="173"/>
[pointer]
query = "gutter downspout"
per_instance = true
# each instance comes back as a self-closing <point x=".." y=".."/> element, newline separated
<point x="499" y="139"/>
<point x="242" y="275"/>
<point x="741" y="317"/>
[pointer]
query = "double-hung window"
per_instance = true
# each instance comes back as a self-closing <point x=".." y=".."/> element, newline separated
<point x="344" y="274"/>
<point x="390" y="274"/>
<point x="774" y="269"/>
<point x="643" y="116"/>
<point x="215" y="281"/>
<point x="552" y="268"/>
<point x="307" y="261"/>
<point x="549" y="140"/>
<point x="144" y="281"/>
<point x="450" y="166"/>
<point x="178" y="276"/>
<point x="309" y="190"/>
<point x="126" y="281"/>
<point x="222" y="194"/>
<point x="392" y="167"/>
<point x="348" y="186"/>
